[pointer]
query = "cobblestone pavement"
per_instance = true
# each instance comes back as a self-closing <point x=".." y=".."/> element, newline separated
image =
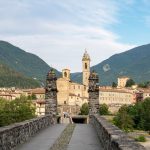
<point x="44" y="139"/>
<point x="84" y="138"/>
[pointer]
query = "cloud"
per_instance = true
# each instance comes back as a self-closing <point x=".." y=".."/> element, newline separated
<point x="66" y="49"/>
<point x="59" y="31"/>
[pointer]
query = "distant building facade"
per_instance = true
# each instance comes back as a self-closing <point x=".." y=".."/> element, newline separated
<point x="115" y="98"/>
<point x="146" y="93"/>
<point x="40" y="107"/>
<point x="122" y="81"/>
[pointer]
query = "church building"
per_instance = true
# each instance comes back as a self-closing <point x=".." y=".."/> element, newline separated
<point x="71" y="96"/>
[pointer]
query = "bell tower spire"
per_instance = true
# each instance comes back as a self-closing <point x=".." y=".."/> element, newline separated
<point x="86" y="68"/>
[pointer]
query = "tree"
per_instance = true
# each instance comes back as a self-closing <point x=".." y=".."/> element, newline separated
<point x="103" y="110"/>
<point x="33" y="97"/>
<point x="123" y="120"/>
<point x="84" y="110"/>
<point x="134" y="116"/>
<point x="144" y="84"/>
<point x="145" y="114"/>
<point x="17" y="110"/>
<point x="140" y="114"/>
<point x="130" y="82"/>
<point x="114" y="84"/>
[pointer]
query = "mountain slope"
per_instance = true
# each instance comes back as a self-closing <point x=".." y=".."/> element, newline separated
<point x="134" y="63"/>
<point x="23" y="62"/>
<point x="10" y="78"/>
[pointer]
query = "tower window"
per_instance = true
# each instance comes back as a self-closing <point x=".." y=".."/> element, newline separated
<point x="64" y="102"/>
<point x="65" y="74"/>
<point x="85" y="65"/>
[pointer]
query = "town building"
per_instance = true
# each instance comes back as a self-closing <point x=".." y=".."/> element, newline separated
<point x="146" y="93"/>
<point x="40" y="107"/>
<point x="115" y="98"/>
<point x="122" y="81"/>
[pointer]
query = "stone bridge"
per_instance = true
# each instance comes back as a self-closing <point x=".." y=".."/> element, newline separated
<point x="44" y="133"/>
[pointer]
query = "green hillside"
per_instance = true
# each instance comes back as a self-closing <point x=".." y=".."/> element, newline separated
<point x="10" y="78"/>
<point x="23" y="62"/>
<point x="134" y="63"/>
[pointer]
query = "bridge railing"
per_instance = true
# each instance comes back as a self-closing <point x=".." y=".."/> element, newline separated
<point x="111" y="137"/>
<point x="12" y="135"/>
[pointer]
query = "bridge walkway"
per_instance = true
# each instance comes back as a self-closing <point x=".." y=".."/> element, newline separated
<point x="84" y="137"/>
<point x="44" y="139"/>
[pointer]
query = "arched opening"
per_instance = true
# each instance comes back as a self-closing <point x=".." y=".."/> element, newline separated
<point x="65" y="74"/>
<point x="85" y="65"/>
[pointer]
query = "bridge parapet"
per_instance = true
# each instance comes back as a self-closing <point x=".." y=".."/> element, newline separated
<point x="15" y="134"/>
<point x="111" y="137"/>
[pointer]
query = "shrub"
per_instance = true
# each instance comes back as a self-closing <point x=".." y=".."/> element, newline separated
<point x="103" y="110"/>
<point x="123" y="120"/>
<point x="84" y="110"/>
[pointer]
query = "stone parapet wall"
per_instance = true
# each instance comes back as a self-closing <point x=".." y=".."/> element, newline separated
<point x="15" y="134"/>
<point x="111" y="137"/>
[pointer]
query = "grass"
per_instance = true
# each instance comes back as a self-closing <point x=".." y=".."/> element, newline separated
<point x="140" y="138"/>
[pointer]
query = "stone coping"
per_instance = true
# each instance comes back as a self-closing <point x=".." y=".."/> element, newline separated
<point x="111" y="137"/>
<point x="12" y="135"/>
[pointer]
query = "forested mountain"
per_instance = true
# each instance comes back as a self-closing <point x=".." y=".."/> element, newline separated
<point x="134" y="63"/>
<point x="10" y="78"/>
<point x="23" y="62"/>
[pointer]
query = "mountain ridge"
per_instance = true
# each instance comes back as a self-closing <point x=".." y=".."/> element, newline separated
<point x="28" y="64"/>
<point x="134" y="63"/>
<point x="11" y="78"/>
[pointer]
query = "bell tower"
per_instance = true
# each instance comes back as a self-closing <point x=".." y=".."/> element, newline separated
<point x="86" y="68"/>
<point x="66" y="74"/>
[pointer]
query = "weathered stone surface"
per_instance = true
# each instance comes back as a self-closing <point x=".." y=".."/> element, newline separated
<point x="51" y="94"/>
<point x="93" y="93"/>
<point x="12" y="135"/>
<point x="111" y="137"/>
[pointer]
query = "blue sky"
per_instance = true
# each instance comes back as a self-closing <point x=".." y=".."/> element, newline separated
<point x="58" y="31"/>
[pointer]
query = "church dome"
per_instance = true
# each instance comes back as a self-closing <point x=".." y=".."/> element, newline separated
<point x="86" y="56"/>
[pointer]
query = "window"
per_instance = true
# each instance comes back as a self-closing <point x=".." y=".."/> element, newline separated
<point x="85" y="65"/>
<point x="65" y="74"/>
<point x="64" y="102"/>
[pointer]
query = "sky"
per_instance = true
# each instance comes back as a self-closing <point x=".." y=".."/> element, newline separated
<point x="59" y="31"/>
